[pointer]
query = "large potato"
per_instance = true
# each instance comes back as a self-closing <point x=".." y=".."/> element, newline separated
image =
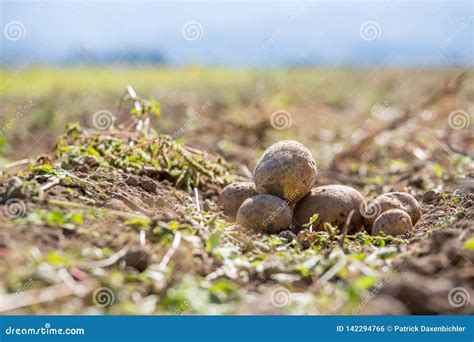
<point x="333" y="204"/>
<point x="392" y="200"/>
<point x="392" y="222"/>
<point x="233" y="195"/>
<point x="265" y="213"/>
<point x="287" y="170"/>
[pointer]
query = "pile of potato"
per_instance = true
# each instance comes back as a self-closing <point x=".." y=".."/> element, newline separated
<point x="283" y="197"/>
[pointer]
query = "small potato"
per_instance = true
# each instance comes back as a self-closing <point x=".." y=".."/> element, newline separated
<point x="392" y="222"/>
<point x="265" y="213"/>
<point x="392" y="200"/>
<point x="333" y="204"/>
<point x="287" y="170"/>
<point x="233" y="195"/>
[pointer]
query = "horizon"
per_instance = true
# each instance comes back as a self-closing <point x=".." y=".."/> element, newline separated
<point x="359" y="34"/>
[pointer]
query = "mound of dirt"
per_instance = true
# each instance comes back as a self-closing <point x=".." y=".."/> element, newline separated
<point x="436" y="274"/>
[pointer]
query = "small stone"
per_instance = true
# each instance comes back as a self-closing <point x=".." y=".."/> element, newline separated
<point x="137" y="259"/>
<point x="132" y="181"/>
<point x="148" y="185"/>
<point x="288" y="235"/>
<point x="14" y="188"/>
<point x="429" y="196"/>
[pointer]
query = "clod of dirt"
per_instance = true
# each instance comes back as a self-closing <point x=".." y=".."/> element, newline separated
<point x="132" y="180"/>
<point x="14" y="188"/>
<point x="144" y="183"/>
<point x="233" y="195"/>
<point x="333" y="204"/>
<point x="138" y="259"/>
<point x="305" y="238"/>
<point x="429" y="196"/>
<point x="287" y="235"/>
<point x="392" y="200"/>
<point x="148" y="185"/>
<point x="287" y="170"/>
<point x="265" y="213"/>
<point x="423" y="295"/>
<point x="117" y="204"/>
<point x="392" y="222"/>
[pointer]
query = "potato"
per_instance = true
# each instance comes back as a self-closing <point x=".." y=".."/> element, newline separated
<point x="392" y="200"/>
<point x="287" y="170"/>
<point x="265" y="213"/>
<point x="333" y="204"/>
<point x="392" y="222"/>
<point x="233" y="195"/>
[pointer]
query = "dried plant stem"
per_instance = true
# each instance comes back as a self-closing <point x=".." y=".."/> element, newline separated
<point x="50" y="294"/>
<point x="174" y="246"/>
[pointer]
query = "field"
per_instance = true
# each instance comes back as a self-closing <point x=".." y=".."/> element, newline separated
<point x="110" y="208"/>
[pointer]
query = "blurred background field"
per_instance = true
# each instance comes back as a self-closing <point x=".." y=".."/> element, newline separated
<point x="329" y="108"/>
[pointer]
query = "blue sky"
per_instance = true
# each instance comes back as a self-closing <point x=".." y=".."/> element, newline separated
<point x="256" y="34"/>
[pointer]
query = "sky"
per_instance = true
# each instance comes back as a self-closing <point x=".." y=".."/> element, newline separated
<point x="239" y="34"/>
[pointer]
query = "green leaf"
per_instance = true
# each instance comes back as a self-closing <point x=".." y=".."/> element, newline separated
<point x="363" y="283"/>
<point x="137" y="223"/>
<point x="222" y="291"/>
<point x="2" y="142"/>
<point x="313" y="219"/>
<point x="77" y="218"/>
<point x="43" y="169"/>
<point x="438" y="170"/>
<point x="469" y="244"/>
<point x="213" y="240"/>
<point x="92" y="151"/>
<point x="55" y="218"/>
<point x="56" y="259"/>
<point x="386" y="252"/>
<point x="155" y="108"/>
